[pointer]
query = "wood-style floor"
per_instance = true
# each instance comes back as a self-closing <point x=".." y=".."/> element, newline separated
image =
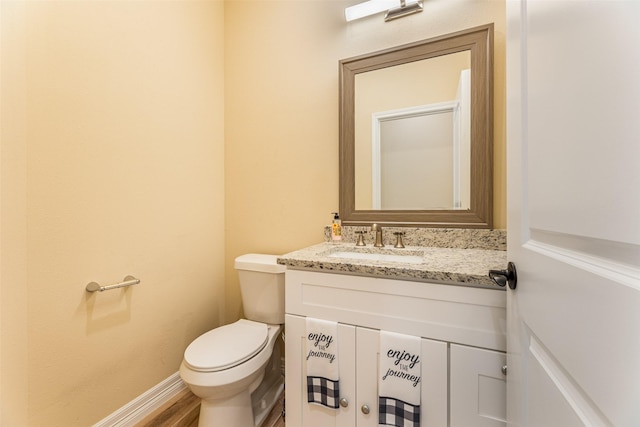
<point x="184" y="409"/>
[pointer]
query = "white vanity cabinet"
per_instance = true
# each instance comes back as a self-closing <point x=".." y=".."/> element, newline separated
<point x="463" y="343"/>
<point x="478" y="393"/>
<point x="358" y="361"/>
<point x="298" y="411"/>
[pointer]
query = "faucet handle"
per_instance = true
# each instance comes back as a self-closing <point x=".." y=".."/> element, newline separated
<point x="360" y="241"/>
<point x="399" y="243"/>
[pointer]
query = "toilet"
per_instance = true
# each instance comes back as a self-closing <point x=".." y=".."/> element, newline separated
<point x="236" y="369"/>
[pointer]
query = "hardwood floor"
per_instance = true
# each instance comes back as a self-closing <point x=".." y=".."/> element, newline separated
<point x="183" y="412"/>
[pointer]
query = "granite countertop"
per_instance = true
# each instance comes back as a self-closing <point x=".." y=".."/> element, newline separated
<point x="468" y="267"/>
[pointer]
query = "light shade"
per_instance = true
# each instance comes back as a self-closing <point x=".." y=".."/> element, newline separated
<point x="372" y="7"/>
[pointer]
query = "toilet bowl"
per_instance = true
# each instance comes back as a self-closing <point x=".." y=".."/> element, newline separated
<point x="236" y="369"/>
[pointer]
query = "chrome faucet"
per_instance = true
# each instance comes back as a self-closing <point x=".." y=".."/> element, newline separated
<point x="378" y="230"/>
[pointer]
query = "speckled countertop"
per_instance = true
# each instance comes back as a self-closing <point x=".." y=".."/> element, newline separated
<point x="456" y="266"/>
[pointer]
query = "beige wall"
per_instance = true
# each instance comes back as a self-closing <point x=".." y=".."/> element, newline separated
<point x="281" y="125"/>
<point x="112" y="164"/>
<point x="163" y="139"/>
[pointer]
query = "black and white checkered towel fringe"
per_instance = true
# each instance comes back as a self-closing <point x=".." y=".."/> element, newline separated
<point x="394" y="412"/>
<point x="323" y="391"/>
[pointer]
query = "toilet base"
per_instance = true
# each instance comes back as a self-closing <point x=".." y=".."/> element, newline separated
<point x="243" y="409"/>
<point x="250" y="407"/>
<point x="264" y="398"/>
<point x="233" y="411"/>
<point x="263" y="405"/>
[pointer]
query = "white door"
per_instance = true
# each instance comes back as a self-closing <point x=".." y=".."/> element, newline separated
<point x="573" y="132"/>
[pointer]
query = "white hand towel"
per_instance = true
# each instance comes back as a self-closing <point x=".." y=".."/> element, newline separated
<point x="399" y="380"/>
<point x="323" y="375"/>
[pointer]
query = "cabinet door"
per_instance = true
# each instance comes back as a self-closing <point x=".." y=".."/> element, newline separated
<point x="478" y="387"/>
<point x="434" y="380"/>
<point x="299" y="411"/>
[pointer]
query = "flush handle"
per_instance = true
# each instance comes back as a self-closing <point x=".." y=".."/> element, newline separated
<point x="504" y="277"/>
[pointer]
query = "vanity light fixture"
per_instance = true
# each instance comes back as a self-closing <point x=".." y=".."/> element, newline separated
<point x="395" y="9"/>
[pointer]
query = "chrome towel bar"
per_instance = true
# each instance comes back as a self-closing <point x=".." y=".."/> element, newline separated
<point x="128" y="281"/>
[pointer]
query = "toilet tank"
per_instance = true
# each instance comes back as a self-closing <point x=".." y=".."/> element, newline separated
<point x="262" y="287"/>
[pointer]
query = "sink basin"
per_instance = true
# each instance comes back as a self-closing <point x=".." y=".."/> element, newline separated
<point x="408" y="258"/>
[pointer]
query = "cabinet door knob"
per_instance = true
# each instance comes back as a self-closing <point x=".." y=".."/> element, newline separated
<point x="365" y="409"/>
<point x="504" y="370"/>
<point x="344" y="402"/>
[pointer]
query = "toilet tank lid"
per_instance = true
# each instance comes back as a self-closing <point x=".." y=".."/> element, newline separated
<point x="259" y="262"/>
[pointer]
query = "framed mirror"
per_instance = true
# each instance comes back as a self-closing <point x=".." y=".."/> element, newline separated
<point x="416" y="133"/>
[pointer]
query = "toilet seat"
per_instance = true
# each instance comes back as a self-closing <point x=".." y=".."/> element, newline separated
<point x="227" y="346"/>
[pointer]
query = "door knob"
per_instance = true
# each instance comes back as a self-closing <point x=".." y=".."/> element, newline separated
<point x="344" y="402"/>
<point x="365" y="409"/>
<point x="504" y="277"/>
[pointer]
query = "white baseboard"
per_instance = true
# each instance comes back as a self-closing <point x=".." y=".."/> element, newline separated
<point x="144" y="405"/>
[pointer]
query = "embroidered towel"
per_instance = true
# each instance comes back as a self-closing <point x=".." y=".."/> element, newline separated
<point x="323" y="376"/>
<point x="399" y="380"/>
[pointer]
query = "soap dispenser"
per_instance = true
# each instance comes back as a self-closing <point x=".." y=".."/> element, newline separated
<point x="336" y="227"/>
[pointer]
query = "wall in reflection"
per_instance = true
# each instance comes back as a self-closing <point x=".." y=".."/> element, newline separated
<point x="412" y="136"/>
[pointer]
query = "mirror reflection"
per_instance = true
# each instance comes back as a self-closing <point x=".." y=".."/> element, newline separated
<point x="416" y="133"/>
<point x="412" y="135"/>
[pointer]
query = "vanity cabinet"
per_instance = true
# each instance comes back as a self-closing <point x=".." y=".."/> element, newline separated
<point x="299" y="412"/>
<point x="358" y="356"/>
<point x="462" y="335"/>
<point x="478" y="394"/>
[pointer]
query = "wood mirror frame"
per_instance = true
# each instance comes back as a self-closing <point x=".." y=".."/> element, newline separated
<point x="479" y="41"/>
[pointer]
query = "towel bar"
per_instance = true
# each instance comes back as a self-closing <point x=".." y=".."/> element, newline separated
<point x="128" y="281"/>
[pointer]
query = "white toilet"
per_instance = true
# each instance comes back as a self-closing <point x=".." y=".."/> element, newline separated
<point x="236" y="369"/>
